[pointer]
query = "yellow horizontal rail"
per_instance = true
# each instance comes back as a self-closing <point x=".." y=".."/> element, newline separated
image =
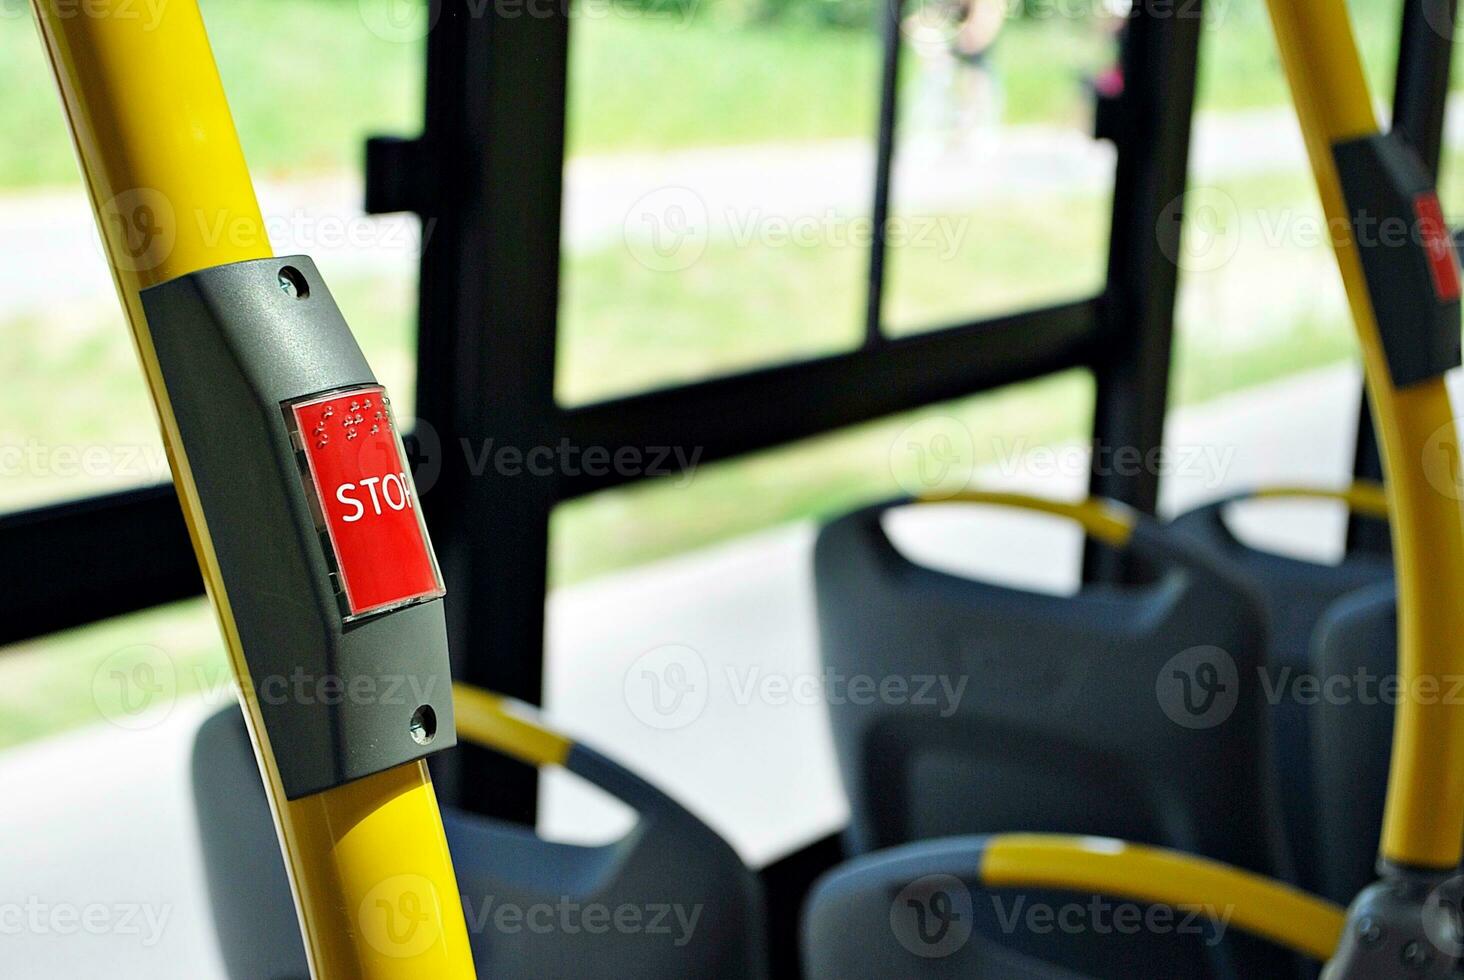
<point x="1363" y="497"/>
<point x="1253" y="903"/>
<point x="490" y="720"/>
<point x="1104" y="520"/>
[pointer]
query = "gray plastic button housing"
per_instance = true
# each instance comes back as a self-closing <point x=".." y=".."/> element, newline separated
<point x="337" y="698"/>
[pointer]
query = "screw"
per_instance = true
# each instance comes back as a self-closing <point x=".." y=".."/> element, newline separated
<point x="423" y="726"/>
<point x="1414" y="955"/>
<point x="292" y="283"/>
<point x="1369" y="931"/>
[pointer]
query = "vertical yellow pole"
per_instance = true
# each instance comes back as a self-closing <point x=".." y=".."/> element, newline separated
<point x="1425" y="805"/>
<point x="368" y="861"/>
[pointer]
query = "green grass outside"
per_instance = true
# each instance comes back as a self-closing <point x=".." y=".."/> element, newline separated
<point x="308" y="81"/>
<point x="741" y="306"/>
<point x="65" y="681"/>
<point x="75" y="418"/>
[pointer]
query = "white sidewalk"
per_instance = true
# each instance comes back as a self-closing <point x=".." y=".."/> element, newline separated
<point x="603" y="196"/>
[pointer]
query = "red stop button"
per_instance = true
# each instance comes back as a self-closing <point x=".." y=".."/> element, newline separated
<point x="1438" y="244"/>
<point x="358" y="473"/>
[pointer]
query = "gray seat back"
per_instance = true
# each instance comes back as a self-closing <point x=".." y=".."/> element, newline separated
<point x="1294" y="595"/>
<point x="1134" y="712"/>
<point x="920" y="911"/>
<point x="669" y="900"/>
<point x="1352" y="735"/>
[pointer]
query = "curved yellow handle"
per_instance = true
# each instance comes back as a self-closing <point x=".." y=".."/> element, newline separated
<point x="1105" y="520"/>
<point x="1364" y="497"/>
<point x="489" y="720"/>
<point x="1256" y="904"/>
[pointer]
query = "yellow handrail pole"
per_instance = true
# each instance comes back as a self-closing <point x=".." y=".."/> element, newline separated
<point x="1425" y="803"/>
<point x="167" y="180"/>
<point x="1256" y="904"/>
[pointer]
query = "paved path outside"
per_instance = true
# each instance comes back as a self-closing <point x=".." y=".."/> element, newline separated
<point x="731" y="189"/>
<point x="103" y="815"/>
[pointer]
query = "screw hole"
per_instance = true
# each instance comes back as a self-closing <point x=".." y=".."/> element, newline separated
<point x="293" y="282"/>
<point x="424" y="725"/>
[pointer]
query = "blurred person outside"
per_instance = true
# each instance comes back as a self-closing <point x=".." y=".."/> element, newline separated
<point x="959" y="91"/>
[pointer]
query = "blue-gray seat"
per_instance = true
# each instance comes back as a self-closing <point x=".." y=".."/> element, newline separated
<point x="677" y="901"/>
<point x="1133" y="712"/>
<point x="1295" y="593"/>
<point x="1356" y="642"/>
<point x="925" y="910"/>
